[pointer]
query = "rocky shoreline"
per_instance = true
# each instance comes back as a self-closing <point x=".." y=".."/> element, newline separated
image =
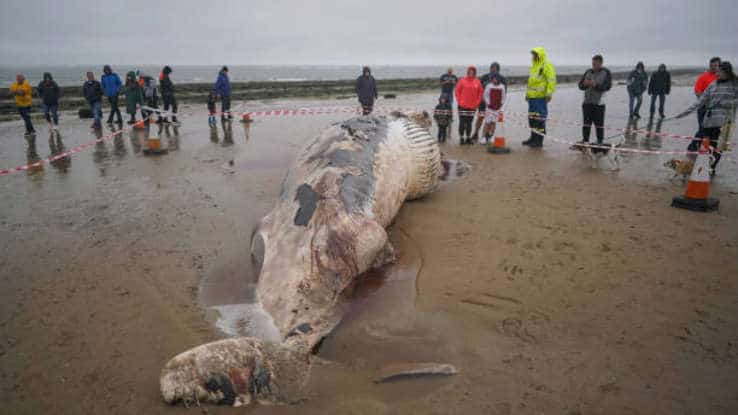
<point x="72" y="99"/>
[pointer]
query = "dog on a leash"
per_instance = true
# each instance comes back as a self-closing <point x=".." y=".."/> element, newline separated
<point x="681" y="167"/>
<point x="594" y="152"/>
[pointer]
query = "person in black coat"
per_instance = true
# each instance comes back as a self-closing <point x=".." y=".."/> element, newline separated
<point x="49" y="92"/>
<point x="659" y="86"/>
<point x="166" y="88"/>
<point x="93" y="93"/>
<point x="366" y="90"/>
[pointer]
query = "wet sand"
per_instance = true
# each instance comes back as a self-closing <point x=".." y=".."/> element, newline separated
<point x="552" y="287"/>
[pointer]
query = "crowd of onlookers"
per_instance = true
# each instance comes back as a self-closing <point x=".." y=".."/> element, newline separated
<point x="481" y="96"/>
<point x="716" y="90"/>
<point x="141" y="91"/>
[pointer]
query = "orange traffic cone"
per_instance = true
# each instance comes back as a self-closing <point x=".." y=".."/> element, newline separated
<point x="698" y="187"/>
<point x="498" y="144"/>
<point x="153" y="142"/>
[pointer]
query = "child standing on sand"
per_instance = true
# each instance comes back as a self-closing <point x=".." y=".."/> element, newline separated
<point x="442" y="115"/>
<point x="494" y="97"/>
<point x="211" y="109"/>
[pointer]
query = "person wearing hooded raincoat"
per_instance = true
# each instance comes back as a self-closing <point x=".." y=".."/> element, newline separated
<point x="111" y="86"/>
<point x="540" y="90"/>
<point x="223" y="90"/>
<point x="659" y="87"/>
<point x="134" y="96"/>
<point x="49" y="92"/>
<point x="150" y="92"/>
<point x="22" y="92"/>
<point x="637" y="85"/>
<point x="366" y="90"/>
<point x="468" y="96"/>
<point x="166" y="87"/>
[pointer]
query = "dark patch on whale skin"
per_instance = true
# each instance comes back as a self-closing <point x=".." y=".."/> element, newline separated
<point x="304" y="328"/>
<point x="223" y="384"/>
<point x="356" y="189"/>
<point x="308" y="199"/>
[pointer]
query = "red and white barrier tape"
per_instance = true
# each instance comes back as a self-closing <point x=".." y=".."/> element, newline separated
<point x="646" y="133"/>
<point x="603" y="146"/>
<point x="63" y="154"/>
<point x="358" y="110"/>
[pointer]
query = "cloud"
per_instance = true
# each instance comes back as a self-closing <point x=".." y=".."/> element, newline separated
<point x="363" y="31"/>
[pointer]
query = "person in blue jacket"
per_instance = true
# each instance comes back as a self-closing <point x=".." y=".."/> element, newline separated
<point x="223" y="90"/>
<point x="111" y="85"/>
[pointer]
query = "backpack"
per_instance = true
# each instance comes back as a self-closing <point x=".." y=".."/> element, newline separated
<point x="149" y="88"/>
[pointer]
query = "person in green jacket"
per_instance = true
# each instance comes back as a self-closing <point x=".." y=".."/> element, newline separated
<point x="134" y="96"/>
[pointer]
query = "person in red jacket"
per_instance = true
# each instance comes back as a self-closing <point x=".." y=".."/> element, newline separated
<point x="468" y="96"/>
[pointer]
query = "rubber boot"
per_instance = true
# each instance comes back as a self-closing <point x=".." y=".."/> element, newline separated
<point x="537" y="142"/>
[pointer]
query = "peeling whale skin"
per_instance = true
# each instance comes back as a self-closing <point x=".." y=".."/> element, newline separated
<point x="327" y="228"/>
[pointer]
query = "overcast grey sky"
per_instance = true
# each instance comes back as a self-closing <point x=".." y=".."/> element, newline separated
<point x="364" y="31"/>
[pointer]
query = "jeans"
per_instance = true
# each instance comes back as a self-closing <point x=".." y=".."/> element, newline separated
<point x="466" y="116"/>
<point x="51" y="113"/>
<point x="225" y="106"/>
<point x="170" y="101"/>
<point x="638" y="99"/>
<point x="662" y="98"/>
<point x="96" y="108"/>
<point x="25" y="113"/>
<point x="113" y="101"/>
<point x="593" y="114"/>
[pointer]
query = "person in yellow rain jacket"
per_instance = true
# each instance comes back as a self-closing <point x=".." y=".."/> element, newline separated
<point x="541" y="86"/>
<point x="22" y="92"/>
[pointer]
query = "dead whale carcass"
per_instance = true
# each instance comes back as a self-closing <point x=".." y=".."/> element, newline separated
<point x="328" y="228"/>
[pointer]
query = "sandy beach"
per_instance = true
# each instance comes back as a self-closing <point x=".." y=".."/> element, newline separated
<point x="553" y="287"/>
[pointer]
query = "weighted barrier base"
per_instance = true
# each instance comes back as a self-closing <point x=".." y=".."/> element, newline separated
<point x="498" y="150"/>
<point x="155" y="152"/>
<point x="697" y="205"/>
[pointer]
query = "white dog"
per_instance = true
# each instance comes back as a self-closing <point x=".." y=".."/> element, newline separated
<point x="594" y="152"/>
